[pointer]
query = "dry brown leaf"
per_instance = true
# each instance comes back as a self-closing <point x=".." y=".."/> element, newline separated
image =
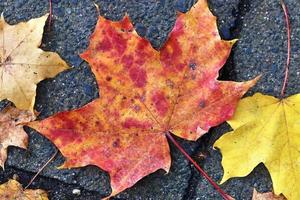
<point x="11" y="130"/>
<point x="13" y="190"/>
<point x="22" y="63"/>
<point x="266" y="196"/>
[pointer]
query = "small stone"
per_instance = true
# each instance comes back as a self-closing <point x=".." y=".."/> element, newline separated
<point x="76" y="192"/>
<point x="15" y="177"/>
<point x="68" y="11"/>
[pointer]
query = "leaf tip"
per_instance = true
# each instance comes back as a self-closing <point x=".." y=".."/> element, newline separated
<point x="44" y="17"/>
<point x="97" y="8"/>
<point x="224" y="179"/>
<point x="252" y="82"/>
<point x="2" y="164"/>
<point x="232" y="42"/>
<point x="34" y="125"/>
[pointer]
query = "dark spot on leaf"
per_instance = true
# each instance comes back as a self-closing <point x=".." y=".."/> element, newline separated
<point x="142" y="98"/>
<point x="116" y="143"/>
<point x="8" y="59"/>
<point x="108" y="78"/>
<point x="202" y="104"/>
<point x="193" y="65"/>
<point x="136" y="108"/>
<point x="170" y="83"/>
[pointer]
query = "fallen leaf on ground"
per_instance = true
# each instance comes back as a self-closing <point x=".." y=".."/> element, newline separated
<point x="265" y="130"/>
<point x="266" y="196"/>
<point x="11" y="130"/>
<point x="22" y="63"/>
<point x="13" y="190"/>
<point x="144" y="94"/>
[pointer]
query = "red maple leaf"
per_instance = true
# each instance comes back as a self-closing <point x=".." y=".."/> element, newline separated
<point x="145" y="94"/>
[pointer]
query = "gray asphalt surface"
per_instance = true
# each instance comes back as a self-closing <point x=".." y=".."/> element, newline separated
<point x="259" y="25"/>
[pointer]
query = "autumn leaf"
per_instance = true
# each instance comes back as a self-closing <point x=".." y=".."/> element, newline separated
<point x="13" y="190"/>
<point x="266" y="196"/>
<point x="145" y="94"/>
<point x="22" y="63"/>
<point x="265" y="130"/>
<point x="11" y="130"/>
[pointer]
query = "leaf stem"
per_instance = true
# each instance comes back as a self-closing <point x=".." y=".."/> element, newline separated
<point x="50" y="15"/>
<point x="202" y="172"/>
<point x="41" y="169"/>
<point x="288" y="27"/>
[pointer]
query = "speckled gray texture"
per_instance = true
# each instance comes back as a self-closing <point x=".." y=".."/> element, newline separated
<point x="262" y="46"/>
<point x="258" y="24"/>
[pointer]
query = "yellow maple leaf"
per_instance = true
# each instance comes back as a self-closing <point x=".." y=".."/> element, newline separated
<point x="13" y="190"/>
<point x="22" y="63"/>
<point x="265" y="130"/>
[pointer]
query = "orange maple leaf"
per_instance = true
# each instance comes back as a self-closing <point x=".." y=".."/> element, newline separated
<point x="144" y="95"/>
